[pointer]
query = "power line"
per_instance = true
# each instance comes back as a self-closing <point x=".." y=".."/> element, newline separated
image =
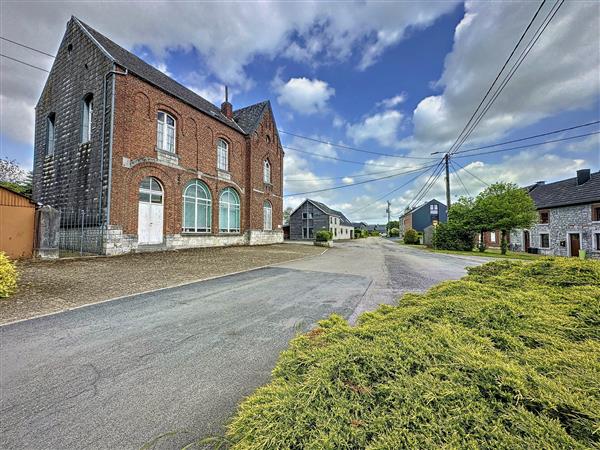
<point x="538" y="33"/>
<point x="529" y="145"/>
<point x="350" y="161"/>
<point x="27" y="47"/>
<point x="356" y="149"/>
<point x="347" y="176"/>
<point x="355" y="184"/>
<point x="460" y="179"/>
<point x="548" y="133"/>
<point x="470" y="173"/>
<point x="23" y="62"/>
<point x="497" y="77"/>
<point x="428" y="184"/>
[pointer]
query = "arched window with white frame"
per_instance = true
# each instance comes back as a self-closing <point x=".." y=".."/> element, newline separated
<point x="165" y="132"/>
<point x="229" y="211"/>
<point x="86" y="118"/>
<point x="267" y="171"/>
<point x="222" y="155"/>
<point x="197" y="215"/>
<point x="267" y="216"/>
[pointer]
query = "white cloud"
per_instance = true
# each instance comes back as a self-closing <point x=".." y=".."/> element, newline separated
<point x="392" y="102"/>
<point x="347" y="180"/>
<point x="163" y="68"/>
<point x="304" y="95"/>
<point x="382" y="127"/>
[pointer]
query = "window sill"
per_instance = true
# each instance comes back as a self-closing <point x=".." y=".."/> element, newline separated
<point x="196" y="233"/>
<point x="230" y="233"/>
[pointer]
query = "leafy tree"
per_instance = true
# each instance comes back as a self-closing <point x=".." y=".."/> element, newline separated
<point x="453" y="236"/>
<point x="504" y="207"/>
<point x="287" y="212"/>
<point x="411" y="237"/>
<point x="15" y="178"/>
<point x="393" y="224"/>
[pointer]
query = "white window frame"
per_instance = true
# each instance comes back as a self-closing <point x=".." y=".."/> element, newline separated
<point x="50" y="133"/>
<point x="86" y="118"/>
<point x="153" y="194"/>
<point x="228" y="207"/>
<point x="267" y="216"/>
<point x="199" y="204"/>
<point x="223" y="155"/>
<point x="162" y="132"/>
<point x="267" y="171"/>
<point x="493" y="237"/>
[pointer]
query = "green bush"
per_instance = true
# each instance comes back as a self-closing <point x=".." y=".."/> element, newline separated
<point x="394" y="232"/>
<point x="323" y="236"/>
<point x="453" y="236"/>
<point x="8" y="276"/>
<point x="411" y="236"/>
<point x="507" y="358"/>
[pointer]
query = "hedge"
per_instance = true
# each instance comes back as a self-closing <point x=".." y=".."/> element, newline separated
<point x="323" y="236"/>
<point x="507" y="357"/>
<point x="411" y="236"/>
<point x="8" y="276"/>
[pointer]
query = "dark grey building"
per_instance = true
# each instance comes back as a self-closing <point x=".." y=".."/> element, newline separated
<point x="422" y="216"/>
<point x="312" y="216"/>
<point x="569" y="217"/>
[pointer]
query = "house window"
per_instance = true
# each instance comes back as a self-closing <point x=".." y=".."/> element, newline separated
<point x="544" y="217"/>
<point x="50" y="134"/>
<point x="222" y="155"/>
<point x="544" y="240"/>
<point x="597" y="240"/>
<point x="86" y="119"/>
<point x="196" y="208"/>
<point x="150" y="191"/>
<point x="306" y="215"/>
<point x="493" y="237"/>
<point x="229" y="211"/>
<point x="434" y="211"/>
<point x="266" y="171"/>
<point x="307" y="232"/>
<point x="596" y="213"/>
<point x="165" y="132"/>
<point x="267" y="216"/>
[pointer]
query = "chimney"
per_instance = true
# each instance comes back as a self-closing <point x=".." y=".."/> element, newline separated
<point x="226" y="107"/>
<point x="583" y="176"/>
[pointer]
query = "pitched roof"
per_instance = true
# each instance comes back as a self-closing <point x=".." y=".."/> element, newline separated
<point x="332" y="212"/>
<point x="412" y="210"/>
<point x="566" y="192"/>
<point x="245" y="120"/>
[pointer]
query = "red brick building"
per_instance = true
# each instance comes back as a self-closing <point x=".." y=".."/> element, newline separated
<point x="155" y="164"/>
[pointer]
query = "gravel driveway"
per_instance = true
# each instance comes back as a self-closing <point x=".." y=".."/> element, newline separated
<point x="50" y="286"/>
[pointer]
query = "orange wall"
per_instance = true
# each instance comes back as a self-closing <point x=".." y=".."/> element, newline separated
<point x="17" y="230"/>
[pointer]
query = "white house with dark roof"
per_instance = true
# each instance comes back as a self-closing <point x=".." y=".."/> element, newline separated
<point x="312" y="216"/>
<point x="569" y="217"/>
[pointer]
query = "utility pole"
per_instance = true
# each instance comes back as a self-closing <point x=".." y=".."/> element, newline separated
<point x="446" y="160"/>
<point x="388" y="211"/>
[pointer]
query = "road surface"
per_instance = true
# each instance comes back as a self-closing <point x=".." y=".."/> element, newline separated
<point x="178" y="361"/>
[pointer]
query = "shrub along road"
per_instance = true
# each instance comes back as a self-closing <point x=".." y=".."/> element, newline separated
<point x="178" y="361"/>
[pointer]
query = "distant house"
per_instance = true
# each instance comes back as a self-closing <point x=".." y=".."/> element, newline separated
<point x="421" y="217"/>
<point x="360" y="225"/>
<point x="312" y="216"/>
<point x="382" y="229"/>
<point x="569" y="217"/>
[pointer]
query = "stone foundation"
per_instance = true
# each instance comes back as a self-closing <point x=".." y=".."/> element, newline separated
<point x="117" y="243"/>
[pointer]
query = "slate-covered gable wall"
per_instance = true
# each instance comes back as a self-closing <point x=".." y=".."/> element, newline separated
<point x="72" y="177"/>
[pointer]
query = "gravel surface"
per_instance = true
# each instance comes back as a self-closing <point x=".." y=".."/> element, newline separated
<point x="51" y="286"/>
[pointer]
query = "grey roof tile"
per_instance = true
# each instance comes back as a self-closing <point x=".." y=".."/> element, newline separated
<point x="566" y="192"/>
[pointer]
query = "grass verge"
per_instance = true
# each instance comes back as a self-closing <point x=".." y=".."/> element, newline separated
<point x="507" y="357"/>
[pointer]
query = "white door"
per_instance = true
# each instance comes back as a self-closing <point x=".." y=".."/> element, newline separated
<point x="150" y="212"/>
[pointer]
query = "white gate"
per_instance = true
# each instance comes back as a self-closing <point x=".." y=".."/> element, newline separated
<point x="150" y="212"/>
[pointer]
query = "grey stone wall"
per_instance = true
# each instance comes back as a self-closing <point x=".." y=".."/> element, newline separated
<point x="73" y="177"/>
<point x="562" y="222"/>
<point x="47" y="232"/>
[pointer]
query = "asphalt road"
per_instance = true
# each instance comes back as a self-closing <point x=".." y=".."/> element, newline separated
<point x="178" y="361"/>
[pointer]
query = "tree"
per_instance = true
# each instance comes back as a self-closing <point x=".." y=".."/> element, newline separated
<point x="393" y="224"/>
<point x="504" y="207"/>
<point x="287" y="212"/>
<point x="15" y="178"/>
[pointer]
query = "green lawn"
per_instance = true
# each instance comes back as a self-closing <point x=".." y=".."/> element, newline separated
<point x="489" y="252"/>
<point x="506" y="358"/>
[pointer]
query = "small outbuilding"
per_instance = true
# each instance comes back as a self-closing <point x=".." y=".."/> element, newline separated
<point x="17" y="224"/>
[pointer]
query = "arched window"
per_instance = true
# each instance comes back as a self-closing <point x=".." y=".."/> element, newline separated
<point x="50" y="134"/>
<point x="151" y="191"/>
<point x="267" y="171"/>
<point x="229" y="211"/>
<point x="222" y="155"/>
<point x="267" y="215"/>
<point x="165" y="132"/>
<point x="86" y="118"/>
<point x="196" y="208"/>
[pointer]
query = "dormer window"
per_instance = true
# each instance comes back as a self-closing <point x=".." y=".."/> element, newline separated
<point x="165" y="132"/>
<point x="222" y="155"/>
<point x="86" y="119"/>
<point x="267" y="171"/>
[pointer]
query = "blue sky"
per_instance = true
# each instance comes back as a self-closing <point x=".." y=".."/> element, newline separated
<point x="397" y="78"/>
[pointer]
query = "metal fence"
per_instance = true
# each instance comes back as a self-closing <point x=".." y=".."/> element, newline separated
<point x="81" y="232"/>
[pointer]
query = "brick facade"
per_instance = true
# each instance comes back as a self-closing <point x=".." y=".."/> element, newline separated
<point x="71" y="178"/>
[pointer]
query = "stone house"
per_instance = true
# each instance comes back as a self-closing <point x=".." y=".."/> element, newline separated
<point x="569" y="217"/>
<point x="153" y="164"/>
<point x="419" y="218"/>
<point x="312" y="216"/>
